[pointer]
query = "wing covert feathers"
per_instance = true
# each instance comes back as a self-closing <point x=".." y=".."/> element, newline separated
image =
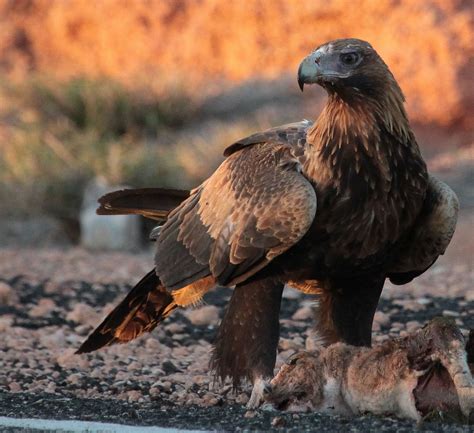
<point x="293" y="134"/>
<point x="254" y="207"/>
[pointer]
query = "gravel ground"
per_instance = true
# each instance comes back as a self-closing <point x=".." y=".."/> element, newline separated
<point x="50" y="300"/>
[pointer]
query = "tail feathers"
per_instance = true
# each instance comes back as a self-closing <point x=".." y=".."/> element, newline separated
<point x="154" y="203"/>
<point x="147" y="304"/>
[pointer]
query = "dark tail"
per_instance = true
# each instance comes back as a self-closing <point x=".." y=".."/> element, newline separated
<point x="147" y="304"/>
<point x="154" y="203"/>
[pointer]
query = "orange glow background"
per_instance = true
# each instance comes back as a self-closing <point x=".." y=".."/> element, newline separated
<point x="428" y="44"/>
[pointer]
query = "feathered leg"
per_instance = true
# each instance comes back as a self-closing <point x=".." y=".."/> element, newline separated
<point x="247" y="340"/>
<point x="346" y="310"/>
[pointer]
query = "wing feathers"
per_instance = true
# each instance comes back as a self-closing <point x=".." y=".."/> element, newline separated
<point x="431" y="234"/>
<point x="153" y="203"/>
<point x="253" y="208"/>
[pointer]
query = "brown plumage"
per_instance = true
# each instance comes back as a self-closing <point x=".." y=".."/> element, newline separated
<point x="332" y="207"/>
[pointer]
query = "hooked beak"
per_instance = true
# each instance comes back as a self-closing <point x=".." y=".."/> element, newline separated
<point x="309" y="71"/>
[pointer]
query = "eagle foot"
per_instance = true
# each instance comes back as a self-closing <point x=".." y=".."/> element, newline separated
<point x="259" y="390"/>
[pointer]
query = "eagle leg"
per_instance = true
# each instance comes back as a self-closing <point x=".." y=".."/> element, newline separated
<point x="346" y="310"/>
<point x="247" y="340"/>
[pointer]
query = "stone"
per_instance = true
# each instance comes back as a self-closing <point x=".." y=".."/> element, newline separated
<point x="290" y="344"/>
<point x="5" y="323"/>
<point x="43" y="308"/>
<point x="14" y="387"/>
<point x="450" y="313"/>
<point x="381" y="319"/>
<point x="412" y="325"/>
<point x="205" y="315"/>
<point x="303" y="313"/>
<point x="106" y="232"/>
<point x="278" y="421"/>
<point x="83" y="314"/>
<point x="7" y="294"/>
<point x="134" y="396"/>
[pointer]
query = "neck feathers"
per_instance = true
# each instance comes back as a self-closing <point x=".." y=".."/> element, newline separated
<point x="359" y="136"/>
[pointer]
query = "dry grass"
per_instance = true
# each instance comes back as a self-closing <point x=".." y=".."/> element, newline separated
<point x="56" y="136"/>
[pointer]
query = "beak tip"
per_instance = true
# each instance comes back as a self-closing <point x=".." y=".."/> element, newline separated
<point x="300" y="77"/>
<point x="301" y="84"/>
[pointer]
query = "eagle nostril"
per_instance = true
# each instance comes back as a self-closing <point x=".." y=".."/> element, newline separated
<point x="317" y="60"/>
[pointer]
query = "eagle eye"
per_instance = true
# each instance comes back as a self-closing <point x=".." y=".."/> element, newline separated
<point x="349" y="58"/>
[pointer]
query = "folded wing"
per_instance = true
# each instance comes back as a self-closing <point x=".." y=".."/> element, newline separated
<point x="254" y="207"/>
<point x="431" y="234"/>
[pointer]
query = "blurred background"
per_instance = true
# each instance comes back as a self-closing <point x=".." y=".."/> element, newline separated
<point x="149" y="93"/>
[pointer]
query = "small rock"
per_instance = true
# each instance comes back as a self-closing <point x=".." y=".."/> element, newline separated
<point x="409" y="304"/>
<point x="134" y="366"/>
<point x="209" y="400"/>
<point x="53" y="340"/>
<point x="174" y="327"/>
<point x="68" y="359"/>
<point x="424" y="301"/>
<point x="303" y="313"/>
<point x="5" y="323"/>
<point x="278" y="421"/>
<point x="155" y="392"/>
<point x="74" y="379"/>
<point x="14" y="387"/>
<point x="376" y="327"/>
<point x="469" y="296"/>
<point x="82" y="330"/>
<point x="293" y="344"/>
<point x="44" y="307"/>
<point x="206" y="315"/>
<point x="381" y="319"/>
<point x="152" y="343"/>
<point x="7" y="294"/>
<point x="412" y="325"/>
<point x="169" y="368"/>
<point x="134" y="396"/>
<point x="450" y="313"/>
<point x="83" y="314"/>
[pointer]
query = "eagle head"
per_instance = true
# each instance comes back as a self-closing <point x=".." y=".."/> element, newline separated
<point x="345" y="66"/>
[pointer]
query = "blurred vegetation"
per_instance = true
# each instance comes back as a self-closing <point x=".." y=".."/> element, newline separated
<point x="118" y="88"/>
<point x="56" y="136"/>
<point x="427" y="44"/>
